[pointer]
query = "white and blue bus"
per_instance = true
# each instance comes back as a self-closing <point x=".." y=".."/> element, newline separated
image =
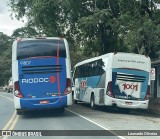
<point x="41" y="74"/>
<point x="121" y="80"/>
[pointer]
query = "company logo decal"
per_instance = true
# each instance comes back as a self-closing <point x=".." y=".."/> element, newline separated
<point x="130" y="86"/>
<point x="83" y="84"/>
<point x="51" y="79"/>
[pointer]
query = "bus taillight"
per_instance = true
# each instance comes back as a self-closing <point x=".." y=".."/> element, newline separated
<point x="148" y="93"/>
<point x="17" y="91"/>
<point x="109" y="91"/>
<point x="68" y="86"/>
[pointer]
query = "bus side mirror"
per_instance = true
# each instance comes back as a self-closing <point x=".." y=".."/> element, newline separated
<point x="73" y="84"/>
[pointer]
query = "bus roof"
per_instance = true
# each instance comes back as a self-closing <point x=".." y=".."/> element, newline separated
<point x="92" y="59"/>
<point x="105" y="55"/>
<point x="38" y="38"/>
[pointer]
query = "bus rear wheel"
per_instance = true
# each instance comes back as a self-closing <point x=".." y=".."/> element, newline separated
<point x="92" y="102"/>
<point x="61" y="110"/>
<point x="75" y="101"/>
<point x="20" y="112"/>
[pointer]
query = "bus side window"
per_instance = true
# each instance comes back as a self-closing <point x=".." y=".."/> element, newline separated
<point x="76" y="73"/>
<point x="81" y="71"/>
<point x="86" y="70"/>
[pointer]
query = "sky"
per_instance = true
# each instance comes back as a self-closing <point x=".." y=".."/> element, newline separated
<point x="7" y="24"/>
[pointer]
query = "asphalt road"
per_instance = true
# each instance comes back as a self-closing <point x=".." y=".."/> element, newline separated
<point x="112" y="119"/>
<point x="45" y="120"/>
<point x="6" y="109"/>
<point x="115" y="120"/>
<point x="77" y="117"/>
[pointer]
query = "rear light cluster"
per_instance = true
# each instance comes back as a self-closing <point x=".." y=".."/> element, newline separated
<point x="68" y="86"/>
<point x="109" y="91"/>
<point x="17" y="91"/>
<point x="148" y="93"/>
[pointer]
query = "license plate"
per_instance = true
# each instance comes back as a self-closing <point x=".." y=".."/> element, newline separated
<point x="44" y="102"/>
<point x="128" y="103"/>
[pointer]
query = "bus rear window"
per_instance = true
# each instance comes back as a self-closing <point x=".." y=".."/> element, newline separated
<point x="37" y="48"/>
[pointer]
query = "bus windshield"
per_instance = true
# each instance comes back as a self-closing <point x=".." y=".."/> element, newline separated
<point x="37" y="48"/>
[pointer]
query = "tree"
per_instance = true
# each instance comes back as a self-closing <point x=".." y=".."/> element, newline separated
<point x="5" y="58"/>
<point x="96" y="26"/>
<point x="24" y="32"/>
<point x="141" y="32"/>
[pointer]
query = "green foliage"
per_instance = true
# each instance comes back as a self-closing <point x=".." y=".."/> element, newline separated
<point x="140" y="33"/>
<point x="6" y="50"/>
<point x="5" y="58"/>
<point x="24" y="32"/>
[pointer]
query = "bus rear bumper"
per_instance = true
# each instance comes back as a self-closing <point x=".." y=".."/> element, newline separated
<point x="121" y="103"/>
<point x="43" y="103"/>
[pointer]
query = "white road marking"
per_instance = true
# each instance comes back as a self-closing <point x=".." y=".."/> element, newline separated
<point x="105" y="128"/>
<point x="12" y="121"/>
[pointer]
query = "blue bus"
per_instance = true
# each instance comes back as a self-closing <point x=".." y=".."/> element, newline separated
<point x="41" y="72"/>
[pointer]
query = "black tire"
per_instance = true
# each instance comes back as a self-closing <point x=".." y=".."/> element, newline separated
<point x="75" y="101"/>
<point x="20" y="112"/>
<point x="73" y="94"/>
<point x="92" y="102"/>
<point x="9" y="90"/>
<point x="61" y="110"/>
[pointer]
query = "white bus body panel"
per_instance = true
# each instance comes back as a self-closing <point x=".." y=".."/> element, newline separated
<point x="17" y="104"/>
<point x="121" y="103"/>
<point x="69" y="99"/>
<point x="115" y="61"/>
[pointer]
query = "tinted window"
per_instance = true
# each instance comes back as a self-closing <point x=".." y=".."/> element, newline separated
<point x="35" y="48"/>
<point x="94" y="68"/>
<point x="76" y="74"/>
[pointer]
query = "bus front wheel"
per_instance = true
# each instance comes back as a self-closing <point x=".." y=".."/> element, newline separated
<point x="92" y="103"/>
